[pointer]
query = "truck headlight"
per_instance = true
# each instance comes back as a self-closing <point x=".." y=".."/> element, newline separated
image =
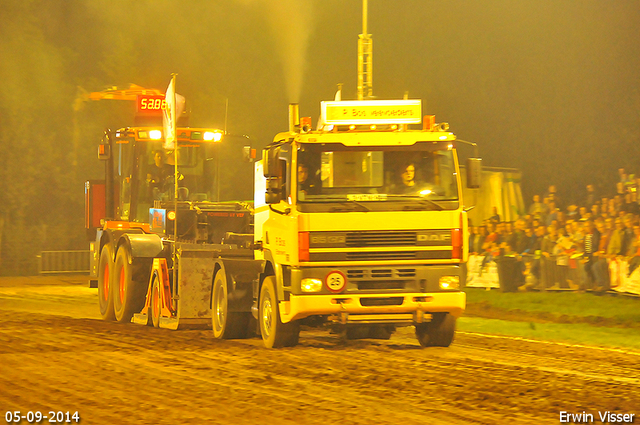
<point x="310" y="285"/>
<point x="449" y="282"/>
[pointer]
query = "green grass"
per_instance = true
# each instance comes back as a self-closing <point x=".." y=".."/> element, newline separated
<point x="579" y="333"/>
<point x="549" y="316"/>
<point x="626" y="309"/>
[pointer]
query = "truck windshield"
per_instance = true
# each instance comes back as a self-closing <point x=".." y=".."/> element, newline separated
<point x="195" y="172"/>
<point x="423" y="175"/>
<point x="155" y="175"/>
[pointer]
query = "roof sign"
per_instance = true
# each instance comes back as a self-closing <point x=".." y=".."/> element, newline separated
<point x="372" y="112"/>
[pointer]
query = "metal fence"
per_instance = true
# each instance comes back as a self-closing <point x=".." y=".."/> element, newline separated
<point x="553" y="273"/>
<point x="53" y="262"/>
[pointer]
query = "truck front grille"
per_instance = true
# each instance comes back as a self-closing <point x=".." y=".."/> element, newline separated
<point x="368" y="239"/>
<point x="381" y="255"/>
<point x="370" y="274"/>
<point x="368" y="285"/>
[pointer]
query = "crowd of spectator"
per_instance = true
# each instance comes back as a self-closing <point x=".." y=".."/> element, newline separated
<point x="566" y="246"/>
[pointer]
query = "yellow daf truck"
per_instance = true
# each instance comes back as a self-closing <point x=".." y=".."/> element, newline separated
<point x="359" y="225"/>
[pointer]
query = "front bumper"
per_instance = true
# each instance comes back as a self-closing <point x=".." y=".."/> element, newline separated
<point x="361" y="308"/>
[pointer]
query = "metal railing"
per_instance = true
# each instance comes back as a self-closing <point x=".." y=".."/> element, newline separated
<point x="53" y="262"/>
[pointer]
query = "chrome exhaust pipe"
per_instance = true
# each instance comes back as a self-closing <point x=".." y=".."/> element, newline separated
<point x="294" y="118"/>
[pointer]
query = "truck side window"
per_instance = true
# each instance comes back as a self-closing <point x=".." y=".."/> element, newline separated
<point x="284" y="180"/>
<point x="285" y="170"/>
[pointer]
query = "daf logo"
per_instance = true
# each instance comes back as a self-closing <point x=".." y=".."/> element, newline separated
<point x="434" y="237"/>
<point x="328" y="239"/>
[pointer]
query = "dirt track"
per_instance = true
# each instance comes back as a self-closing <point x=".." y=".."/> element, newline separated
<point x="56" y="355"/>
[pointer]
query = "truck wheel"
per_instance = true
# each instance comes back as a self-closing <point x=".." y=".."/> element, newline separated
<point x="155" y="301"/>
<point x="438" y="332"/>
<point x="129" y="286"/>
<point x="105" y="294"/>
<point x="226" y="324"/>
<point x="275" y="334"/>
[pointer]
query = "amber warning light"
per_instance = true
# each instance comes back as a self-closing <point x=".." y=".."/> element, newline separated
<point x="150" y="104"/>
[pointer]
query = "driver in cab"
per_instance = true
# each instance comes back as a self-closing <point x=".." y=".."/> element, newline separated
<point x="159" y="171"/>
<point x="305" y="185"/>
<point x="407" y="182"/>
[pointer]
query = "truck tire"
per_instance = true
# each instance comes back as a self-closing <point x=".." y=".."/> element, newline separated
<point x="105" y="272"/>
<point x="438" y="332"/>
<point x="154" y="309"/>
<point x="226" y="324"/>
<point x="130" y="282"/>
<point x="275" y="334"/>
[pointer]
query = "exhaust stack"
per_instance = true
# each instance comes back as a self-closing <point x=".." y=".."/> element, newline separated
<point x="294" y="118"/>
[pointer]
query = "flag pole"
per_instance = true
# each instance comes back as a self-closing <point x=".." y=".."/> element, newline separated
<point x="175" y="194"/>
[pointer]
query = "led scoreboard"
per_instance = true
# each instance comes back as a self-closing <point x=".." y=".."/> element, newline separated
<point x="150" y="104"/>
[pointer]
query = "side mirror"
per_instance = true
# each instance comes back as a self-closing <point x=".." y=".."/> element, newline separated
<point x="248" y="154"/>
<point x="104" y="152"/>
<point x="272" y="195"/>
<point x="474" y="173"/>
<point x="270" y="162"/>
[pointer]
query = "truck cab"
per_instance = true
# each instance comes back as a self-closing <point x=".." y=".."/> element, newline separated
<point x="361" y="222"/>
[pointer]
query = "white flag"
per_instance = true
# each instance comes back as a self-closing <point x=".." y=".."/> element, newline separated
<point x="175" y="106"/>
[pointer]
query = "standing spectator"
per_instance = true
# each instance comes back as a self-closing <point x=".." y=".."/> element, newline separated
<point x="572" y="212"/>
<point x="473" y="233"/>
<point x="562" y="250"/>
<point x="634" y="261"/>
<point x="475" y="240"/>
<point x="518" y="239"/>
<point x="621" y="174"/>
<point x="547" y="263"/>
<point x="562" y="220"/>
<point x="611" y="208"/>
<point x="604" y="204"/>
<point x="531" y="241"/>
<point x="537" y="208"/>
<point x="553" y="196"/>
<point x="615" y="240"/>
<point x="536" y="250"/>
<point x="495" y="216"/>
<point x="618" y="201"/>
<point x="528" y="220"/>
<point x="577" y="236"/>
<point x="600" y="265"/>
<point x="591" y="196"/>
<point x="553" y="213"/>
<point x="504" y="230"/>
<point x="481" y="236"/>
<point x="584" y="213"/>
<point x="491" y="238"/>
<point x="626" y="247"/>
<point x="591" y="243"/>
